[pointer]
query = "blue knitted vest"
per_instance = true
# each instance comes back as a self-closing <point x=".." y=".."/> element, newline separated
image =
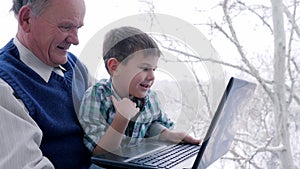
<point x="52" y="105"/>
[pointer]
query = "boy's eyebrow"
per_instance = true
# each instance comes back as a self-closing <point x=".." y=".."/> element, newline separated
<point x="148" y="65"/>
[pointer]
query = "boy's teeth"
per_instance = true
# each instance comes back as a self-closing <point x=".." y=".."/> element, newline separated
<point x="144" y="85"/>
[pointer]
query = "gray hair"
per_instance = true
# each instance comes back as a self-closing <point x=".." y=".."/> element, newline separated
<point x="37" y="6"/>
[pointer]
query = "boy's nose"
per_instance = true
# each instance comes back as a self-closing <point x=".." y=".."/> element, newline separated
<point x="150" y="75"/>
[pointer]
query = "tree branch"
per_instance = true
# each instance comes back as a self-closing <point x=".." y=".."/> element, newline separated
<point x="259" y="16"/>
<point x="291" y="18"/>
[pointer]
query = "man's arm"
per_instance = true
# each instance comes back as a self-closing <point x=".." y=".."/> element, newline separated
<point x="20" y="135"/>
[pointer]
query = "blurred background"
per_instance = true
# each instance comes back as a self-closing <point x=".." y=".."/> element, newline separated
<point x="255" y="40"/>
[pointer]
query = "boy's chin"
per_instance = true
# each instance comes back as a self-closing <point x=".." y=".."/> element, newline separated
<point x="140" y="96"/>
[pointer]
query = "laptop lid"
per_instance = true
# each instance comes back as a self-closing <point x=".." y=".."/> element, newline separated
<point x="222" y="128"/>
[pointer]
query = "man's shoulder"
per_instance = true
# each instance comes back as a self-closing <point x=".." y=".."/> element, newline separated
<point x="7" y="48"/>
<point x="72" y="58"/>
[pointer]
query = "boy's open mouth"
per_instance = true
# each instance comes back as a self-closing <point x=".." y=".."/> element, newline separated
<point x="145" y="85"/>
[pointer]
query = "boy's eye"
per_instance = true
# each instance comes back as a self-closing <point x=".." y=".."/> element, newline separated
<point x="147" y="69"/>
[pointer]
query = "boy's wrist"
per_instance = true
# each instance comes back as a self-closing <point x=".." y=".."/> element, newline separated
<point x="119" y="123"/>
<point x="121" y="118"/>
<point x="164" y="134"/>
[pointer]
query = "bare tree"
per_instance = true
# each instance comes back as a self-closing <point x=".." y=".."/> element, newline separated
<point x="282" y="137"/>
<point x="276" y="87"/>
<point x="281" y="143"/>
<point x="271" y="124"/>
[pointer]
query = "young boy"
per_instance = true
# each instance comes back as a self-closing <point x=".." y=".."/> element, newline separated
<point x="123" y="110"/>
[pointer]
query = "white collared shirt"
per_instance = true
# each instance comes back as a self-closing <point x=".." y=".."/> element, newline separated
<point x="28" y="58"/>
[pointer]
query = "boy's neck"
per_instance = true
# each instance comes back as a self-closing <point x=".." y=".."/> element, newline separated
<point x="117" y="92"/>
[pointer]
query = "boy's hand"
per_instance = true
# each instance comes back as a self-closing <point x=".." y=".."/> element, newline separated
<point x="125" y="107"/>
<point x="178" y="137"/>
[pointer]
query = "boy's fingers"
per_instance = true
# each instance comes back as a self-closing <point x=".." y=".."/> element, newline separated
<point x="192" y="140"/>
<point x="112" y="97"/>
<point x="125" y="107"/>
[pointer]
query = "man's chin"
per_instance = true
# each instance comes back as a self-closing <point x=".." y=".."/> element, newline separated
<point x="60" y="60"/>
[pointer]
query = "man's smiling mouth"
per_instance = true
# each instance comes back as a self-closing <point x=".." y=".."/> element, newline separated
<point x="63" y="47"/>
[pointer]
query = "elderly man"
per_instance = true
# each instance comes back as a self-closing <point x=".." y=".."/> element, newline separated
<point x="41" y="86"/>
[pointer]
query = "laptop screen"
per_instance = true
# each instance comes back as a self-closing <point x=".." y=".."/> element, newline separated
<point x="222" y="129"/>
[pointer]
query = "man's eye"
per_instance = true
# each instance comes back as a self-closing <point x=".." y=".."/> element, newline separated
<point x="65" y="28"/>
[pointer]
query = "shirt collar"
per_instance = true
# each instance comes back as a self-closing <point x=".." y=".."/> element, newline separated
<point x="113" y="91"/>
<point x="29" y="59"/>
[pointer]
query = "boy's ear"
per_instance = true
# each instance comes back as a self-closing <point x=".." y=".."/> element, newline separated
<point x="112" y="65"/>
<point x="24" y="18"/>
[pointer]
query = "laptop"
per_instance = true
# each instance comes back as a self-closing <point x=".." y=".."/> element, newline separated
<point x="216" y="143"/>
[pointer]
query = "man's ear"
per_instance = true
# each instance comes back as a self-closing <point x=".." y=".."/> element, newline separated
<point x="112" y="65"/>
<point x="24" y="18"/>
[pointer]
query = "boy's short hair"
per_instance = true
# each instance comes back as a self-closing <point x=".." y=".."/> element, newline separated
<point x="122" y="42"/>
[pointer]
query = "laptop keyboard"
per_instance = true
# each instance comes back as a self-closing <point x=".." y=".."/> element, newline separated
<point x="168" y="157"/>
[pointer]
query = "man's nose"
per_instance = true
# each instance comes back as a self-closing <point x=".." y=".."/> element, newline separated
<point x="73" y="36"/>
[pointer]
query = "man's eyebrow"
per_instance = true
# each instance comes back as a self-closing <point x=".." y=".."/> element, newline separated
<point x="80" y="25"/>
<point x="70" y="24"/>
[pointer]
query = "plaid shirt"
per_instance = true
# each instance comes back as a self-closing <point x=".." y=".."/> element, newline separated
<point x="97" y="113"/>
